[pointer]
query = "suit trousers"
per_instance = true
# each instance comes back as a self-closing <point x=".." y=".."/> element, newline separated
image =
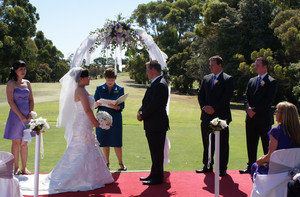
<point x="255" y="130"/>
<point x="156" y="142"/>
<point x="224" y="145"/>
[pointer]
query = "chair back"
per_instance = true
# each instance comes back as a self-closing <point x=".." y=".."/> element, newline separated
<point x="6" y="165"/>
<point x="285" y="160"/>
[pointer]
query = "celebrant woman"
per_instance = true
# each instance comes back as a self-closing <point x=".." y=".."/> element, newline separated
<point x="82" y="166"/>
<point x="20" y="99"/>
<point x="112" y="137"/>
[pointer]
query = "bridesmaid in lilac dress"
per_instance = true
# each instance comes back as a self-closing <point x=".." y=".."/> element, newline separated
<point x="20" y="100"/>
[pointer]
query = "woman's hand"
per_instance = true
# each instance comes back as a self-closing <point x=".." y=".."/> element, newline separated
<point x="98" y="103"/>
<point x="116" y="106"/>
<point x="29" y="117"/>
<point x="260" y="161"/>
<point x="96" y="124"/>
<point x="23" y="119"/>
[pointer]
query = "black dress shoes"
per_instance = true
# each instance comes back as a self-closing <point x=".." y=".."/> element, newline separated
<point x="245" y="171"/>
<point x="145" y="178"/>
<point x="204" y="170"/>
<point x="152" y="182"/>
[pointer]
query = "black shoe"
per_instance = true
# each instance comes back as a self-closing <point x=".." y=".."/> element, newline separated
<point x="204" y="170"/>
<point x="245" y="171"/>
<point x="145" y="178"/>
<point x="223" y="173"/>
<point x="152" y="182"/>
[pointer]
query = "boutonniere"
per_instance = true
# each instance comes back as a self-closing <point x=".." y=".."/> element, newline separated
<point x="215" y="82"/>
<point x="262" y="82"/>
<point x="148" y="86"/>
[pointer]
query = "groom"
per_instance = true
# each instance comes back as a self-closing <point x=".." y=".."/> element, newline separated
<point x="156" y="122"/>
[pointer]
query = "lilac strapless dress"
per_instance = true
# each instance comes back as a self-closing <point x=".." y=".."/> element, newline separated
<point x="14" y="127"/>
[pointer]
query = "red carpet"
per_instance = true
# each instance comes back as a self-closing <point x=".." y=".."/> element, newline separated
<point x="185" y="184"/>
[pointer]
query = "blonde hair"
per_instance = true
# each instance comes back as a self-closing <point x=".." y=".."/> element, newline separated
<point x="289" y="120"/>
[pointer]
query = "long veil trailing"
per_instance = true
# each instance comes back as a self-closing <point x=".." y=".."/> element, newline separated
<point x="66" y="114"/>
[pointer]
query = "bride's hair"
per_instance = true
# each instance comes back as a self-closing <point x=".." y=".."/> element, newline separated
<point x="84" y="73"/>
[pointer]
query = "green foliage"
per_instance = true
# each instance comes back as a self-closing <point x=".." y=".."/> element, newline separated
<point x="286" y="27"/>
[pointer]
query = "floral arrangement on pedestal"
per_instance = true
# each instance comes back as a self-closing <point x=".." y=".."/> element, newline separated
<point x="38" y="125"/>
<point x="104" y="119"/>
<point x="217" y="124"/>
<point x="118" y="34"/>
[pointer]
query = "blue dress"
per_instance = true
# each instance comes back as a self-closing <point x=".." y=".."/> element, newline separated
<point x="113" y="136"/>
<point x="14" y="126"/>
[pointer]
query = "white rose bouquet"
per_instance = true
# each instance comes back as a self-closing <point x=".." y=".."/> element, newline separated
<point x="38" y="125"/>
<point x="104" y="119"/>
<point x="218" y="124"/>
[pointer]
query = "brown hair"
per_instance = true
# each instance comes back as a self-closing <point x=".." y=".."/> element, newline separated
<point x="154" y="64"/>
<point x="110" y="73"/>
<point x="290" y="121"/>
<point x="217" y="58"/>
<point x="263" y="60"/>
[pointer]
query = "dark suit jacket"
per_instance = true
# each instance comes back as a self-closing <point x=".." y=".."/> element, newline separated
<point x="218" y="97"/>
<point x="261" y="99"/>
<point x="153" y="107"/>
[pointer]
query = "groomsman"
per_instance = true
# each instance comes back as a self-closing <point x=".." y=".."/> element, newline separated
<point x="214" y="98"/>
<point x="260" y="93"/>
<point x="156" y="122"/>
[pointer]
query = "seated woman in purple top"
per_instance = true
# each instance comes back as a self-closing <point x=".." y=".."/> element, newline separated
<point x="285" y="135"/>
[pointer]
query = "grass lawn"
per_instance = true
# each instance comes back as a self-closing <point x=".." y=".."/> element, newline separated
<point x="185" y="134"/>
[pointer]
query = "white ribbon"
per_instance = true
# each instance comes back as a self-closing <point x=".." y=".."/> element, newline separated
<point x="209" y="151"/>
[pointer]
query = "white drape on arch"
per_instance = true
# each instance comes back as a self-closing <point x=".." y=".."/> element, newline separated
<point x="84" y="52"/>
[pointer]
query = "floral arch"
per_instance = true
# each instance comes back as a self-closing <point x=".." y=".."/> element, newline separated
<point x="118" y="35"/>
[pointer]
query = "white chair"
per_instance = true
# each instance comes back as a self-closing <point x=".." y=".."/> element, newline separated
<point x="9" y="185"/>
<point x="274" y="184"/>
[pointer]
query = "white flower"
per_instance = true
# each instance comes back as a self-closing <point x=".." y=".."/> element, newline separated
<point x="223" y="124"/>
<point x="262" y="83"/>
<point x="33" y="114"/>
<point x="215" y="82"/>
<point x="215" y="121"/>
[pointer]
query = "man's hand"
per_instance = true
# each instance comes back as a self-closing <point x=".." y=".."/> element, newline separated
<point x="250" y="112"/>
<point x="208" y="109"/>
<point x="139" y="116"/>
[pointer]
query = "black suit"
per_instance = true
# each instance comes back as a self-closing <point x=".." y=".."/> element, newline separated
<point x="218" y="97"/>
<point x="156" y="124"/>
<point x="260" y="99"/>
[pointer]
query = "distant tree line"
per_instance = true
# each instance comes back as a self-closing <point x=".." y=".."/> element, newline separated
<point x="191" y="31"/>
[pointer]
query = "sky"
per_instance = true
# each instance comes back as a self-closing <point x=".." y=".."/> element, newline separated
<point x="68" y="22"/>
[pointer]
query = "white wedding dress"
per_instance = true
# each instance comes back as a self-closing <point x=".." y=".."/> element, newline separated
<point x="81" y="168"/>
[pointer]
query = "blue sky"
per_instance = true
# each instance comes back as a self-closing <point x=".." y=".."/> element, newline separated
<point x="68" y="22"/>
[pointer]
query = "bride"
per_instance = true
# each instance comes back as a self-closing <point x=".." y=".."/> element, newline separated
<point x="83" y="166"/>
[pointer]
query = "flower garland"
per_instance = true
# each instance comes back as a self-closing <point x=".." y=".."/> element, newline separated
<point x="118" y="33"/>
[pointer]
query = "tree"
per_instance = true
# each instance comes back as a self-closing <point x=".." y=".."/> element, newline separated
<point x="17" y="24"/>
<point x="49" y="55"/>
<point x="286" y="27"/>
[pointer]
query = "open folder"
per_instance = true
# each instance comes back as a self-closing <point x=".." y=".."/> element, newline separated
<point x="105" y="102"/>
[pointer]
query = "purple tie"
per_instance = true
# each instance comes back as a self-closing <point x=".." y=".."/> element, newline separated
<point x="258" y="82"/>
<point x="212" y="83"/>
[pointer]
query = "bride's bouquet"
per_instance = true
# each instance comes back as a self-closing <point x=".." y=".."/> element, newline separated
<point x="104" y="119"/>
